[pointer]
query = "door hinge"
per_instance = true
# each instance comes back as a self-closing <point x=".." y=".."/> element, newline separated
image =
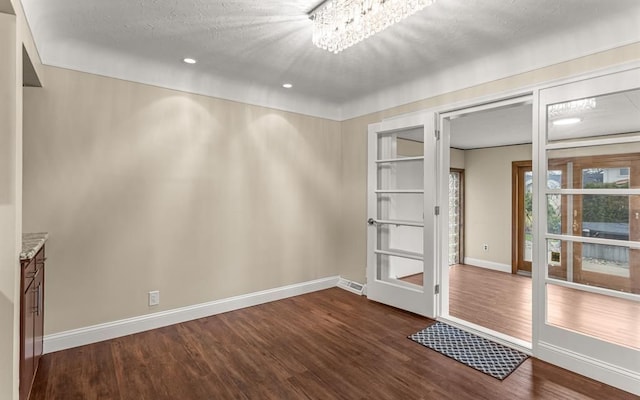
<point x="437" y="134"/>
<point x="437" y="210"/>
<point x="437" y="289"/>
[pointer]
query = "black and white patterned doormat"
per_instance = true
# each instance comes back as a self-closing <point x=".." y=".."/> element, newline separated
<point x="477" y="352"/>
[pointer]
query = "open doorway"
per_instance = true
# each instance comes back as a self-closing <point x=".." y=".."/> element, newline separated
<point x="485" y="288"/>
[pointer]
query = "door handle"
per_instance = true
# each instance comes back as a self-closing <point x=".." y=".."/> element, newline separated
<point x="371" y="221"/>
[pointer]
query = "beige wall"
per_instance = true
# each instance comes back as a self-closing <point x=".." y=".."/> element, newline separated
<point x="488" y="200"/>
<point x="456" y="158"/>
<point x="9" y="208"/>
<point x="354" y="143"/>
<point x="202" y="199"/>
<point x="409" y="148"/>
<point x="143" y="188"/>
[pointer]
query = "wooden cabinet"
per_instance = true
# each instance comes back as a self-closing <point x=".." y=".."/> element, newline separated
<point x="31" y="319"/>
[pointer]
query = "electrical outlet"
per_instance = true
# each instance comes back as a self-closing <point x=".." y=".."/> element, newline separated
<point x="485" y="247"/>
<point x="154" y="298"/>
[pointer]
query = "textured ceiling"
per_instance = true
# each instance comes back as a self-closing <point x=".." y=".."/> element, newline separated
<point x="248" y="48"/>
<point x="495" y="127"/>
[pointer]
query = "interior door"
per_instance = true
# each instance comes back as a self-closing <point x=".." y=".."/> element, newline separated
<point x="401" y="213"/>
<point x="607" y="217"/>
<point x="522" y="246"/>
<point x="589" y="204"/>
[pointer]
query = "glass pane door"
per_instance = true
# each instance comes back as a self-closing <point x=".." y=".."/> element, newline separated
<point x="591" y="238"/>
<point x="400" y="232"/>
<point x="400" y="207"/>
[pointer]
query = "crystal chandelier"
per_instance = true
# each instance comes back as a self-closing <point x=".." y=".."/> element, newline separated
<point x="339" y="24"/>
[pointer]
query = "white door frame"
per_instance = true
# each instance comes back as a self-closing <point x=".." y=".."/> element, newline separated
<point x="443" y="232"/>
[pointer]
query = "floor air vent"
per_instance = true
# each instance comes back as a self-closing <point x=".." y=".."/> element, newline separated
<point x="351" y="286"/>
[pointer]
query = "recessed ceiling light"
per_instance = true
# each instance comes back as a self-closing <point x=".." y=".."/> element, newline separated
<point x="189" y="61"/>
<point x="566" y="121"/>
<point x="287" y="85"/>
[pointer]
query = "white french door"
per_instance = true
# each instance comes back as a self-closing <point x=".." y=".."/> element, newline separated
<point x="401" y="211"/>
<point x="588" y="236"/>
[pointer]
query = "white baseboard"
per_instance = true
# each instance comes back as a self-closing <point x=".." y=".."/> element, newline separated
<point x="595" y="369"/>
<point x="111" y="330"/>
<point x="488" y="264"/>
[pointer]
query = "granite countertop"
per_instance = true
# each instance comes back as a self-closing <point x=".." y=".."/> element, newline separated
<point x="31" y="243"/>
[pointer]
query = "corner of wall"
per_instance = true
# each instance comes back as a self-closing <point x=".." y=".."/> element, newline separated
<point x="10" y="205"/>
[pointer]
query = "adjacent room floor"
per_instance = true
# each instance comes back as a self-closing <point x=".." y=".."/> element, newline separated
<point x="502" y="302"/>
<point x="330" y="344"/>
<point x="495" y="300"/>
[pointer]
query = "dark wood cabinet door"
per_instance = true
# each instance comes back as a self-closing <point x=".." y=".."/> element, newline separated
<point x="27" y="362"/>
<point x="31" y="320"/>
<point x="38" y="317"/>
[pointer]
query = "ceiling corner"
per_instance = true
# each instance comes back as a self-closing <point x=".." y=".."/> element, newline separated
<point x="6" y="7"/>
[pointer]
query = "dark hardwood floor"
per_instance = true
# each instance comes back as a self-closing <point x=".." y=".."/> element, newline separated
<point x="324" y="345"/>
